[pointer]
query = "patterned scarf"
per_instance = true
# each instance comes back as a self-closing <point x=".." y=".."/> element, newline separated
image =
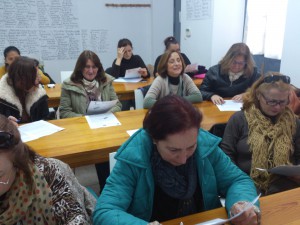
<point x="235" y="76"/>
<point x="91" y="89"/>
<point x="271" y="143"/>
<point x="29" y="206"/>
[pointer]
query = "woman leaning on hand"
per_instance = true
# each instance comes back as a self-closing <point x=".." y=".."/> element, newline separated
<point x="265" y="134"/>
<point x="38" y="190"/>
<point x="171" y="169"/>
<point x="231" y="77"/>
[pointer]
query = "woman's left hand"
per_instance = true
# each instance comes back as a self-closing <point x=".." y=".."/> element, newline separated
<point x="249" y="217"/>
<point x="143" y="72"/>
<point x="238" y="98"/>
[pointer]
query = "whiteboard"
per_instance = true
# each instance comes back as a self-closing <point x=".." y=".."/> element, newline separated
<point x="56" y="31"/>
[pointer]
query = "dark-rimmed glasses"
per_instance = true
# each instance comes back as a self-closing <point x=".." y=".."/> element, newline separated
<point x="7" y="182"/>
<point x="276" y="102"/>
<point x="6" y="139"/>
<point x="283" y="78"/>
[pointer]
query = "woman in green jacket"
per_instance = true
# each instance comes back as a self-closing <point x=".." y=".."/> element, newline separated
<point x="170" y="169"/>
<point x="88" y="82"/>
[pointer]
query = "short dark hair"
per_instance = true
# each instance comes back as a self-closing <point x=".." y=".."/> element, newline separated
<point x="10" y="49"/>
<point x="86" y="55"/>
<point x="169" y="115"/>
<point x="124" y="42"/>
<point x="170" y="40"/>
<point x="162" y="67"/>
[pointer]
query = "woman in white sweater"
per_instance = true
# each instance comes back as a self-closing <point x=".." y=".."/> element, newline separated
<point x="172" y="80"/>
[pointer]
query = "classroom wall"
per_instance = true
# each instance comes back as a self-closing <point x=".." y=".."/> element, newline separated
<point x="212" y="33"/>
<point x="291" y="44"/>
<point x="75" y="25"/>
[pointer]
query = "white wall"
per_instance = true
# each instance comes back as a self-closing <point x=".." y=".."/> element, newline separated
<point x="211" y="38"/>
<point x="291" y="44"/>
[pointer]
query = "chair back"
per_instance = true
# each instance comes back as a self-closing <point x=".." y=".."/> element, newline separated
<point x="64" y="75"/>
<point x="112" y="161"/>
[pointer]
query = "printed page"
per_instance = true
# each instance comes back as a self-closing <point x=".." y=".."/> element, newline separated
<point x="123" y="80"/>
<point x="98" y="107"/>
<point x="35" y="130"/>
<point x="132" y="73"/>
<point x="102" y="120"/>
<point x="230" y="105"/>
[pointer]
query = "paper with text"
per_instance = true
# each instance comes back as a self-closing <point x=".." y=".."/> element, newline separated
<point x="132" y="73"/>
<point x="102" y="120"/>
<point x="219" y="221"/>
<point x="97" y="107"/>
<point x="230" y="105"/>
<point x="123" y="80"/>
<point x="35" y="130"/>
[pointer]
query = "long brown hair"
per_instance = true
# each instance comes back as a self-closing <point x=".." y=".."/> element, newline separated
<point x="86" y="55"/>
<point x="238" y="49"/>
<point x="21" y="154"/>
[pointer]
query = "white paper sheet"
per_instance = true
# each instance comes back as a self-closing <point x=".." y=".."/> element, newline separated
<point x="285" y="170"/>
<point x="35" y="130"/>
<point x="191" y="68"/>
<point x="219" y="221"/>
<point x="102" y="120"/>
<point x="132" y="73"/>
<point x="131" y="132"/>
<point x="97" y="107"/>
<point x="230" y="105"/>
<point x="123" y="80"/>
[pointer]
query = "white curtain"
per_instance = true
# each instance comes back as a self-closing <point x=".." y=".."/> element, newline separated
<point x="265" y="25"/>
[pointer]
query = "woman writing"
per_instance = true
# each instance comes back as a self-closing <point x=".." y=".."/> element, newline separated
<point x="38" y="190"/>
<point x="265" y="134"/>
<point x="170" y="169"/>
<point x="88" y="82"/>
<point x="21" y="97"/>
<point x="234" y="74"/>
<point x="172" y="80"/>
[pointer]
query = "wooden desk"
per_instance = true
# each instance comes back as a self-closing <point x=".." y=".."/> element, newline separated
<point x="79" y="145"/>
<point x="125" y="91"/>
<point x="277" y="209"/>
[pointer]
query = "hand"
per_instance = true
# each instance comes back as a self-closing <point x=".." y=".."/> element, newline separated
<point x="13" y="120"/>
<point x="154" y="223"/>
<point x="120" y="53"/>
<point x="238" y="98"/>
<point x="218" y="100"/>
<point x="143" y="72"/>
<point x="249" y="217"/>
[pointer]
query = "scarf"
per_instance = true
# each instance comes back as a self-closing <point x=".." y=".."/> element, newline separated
<point x="178" y="182"/>
<point x="271" y="143"/>
<point x="29" y="206"/>
<point x="91" y="89"/>
<point x="235" y="76"/>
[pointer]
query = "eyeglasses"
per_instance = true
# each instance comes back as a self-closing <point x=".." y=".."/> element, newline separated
<point x="272" y="78"/>
<point x="7" y="182"/>
<point x="276" y="102"/>
<point x="241" y="63"/>
<point x="6" y="139"/>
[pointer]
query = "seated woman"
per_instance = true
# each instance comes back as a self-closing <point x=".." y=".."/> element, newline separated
<point x="170" y="169"/>
<point x="38" y="190"/>
<point x="21" y="97"/>
<point x="172" y="80"/>
<point x="171" y="44"/>
<point x="234" y="74"/>
<point x="10" y="54"/>
<point x="88" y="82"/>
<point x="127" y="60"/>
<point x="265" y="134"/>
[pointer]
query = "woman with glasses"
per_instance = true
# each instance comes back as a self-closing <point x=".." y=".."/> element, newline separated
<point x="265" y="133"/>
<point x="88" y="82"/>
<point x="21" y="97"/>
<point x="172" y="80"/>
<point x="234" y="74"/>
<point x="38" y="190"/>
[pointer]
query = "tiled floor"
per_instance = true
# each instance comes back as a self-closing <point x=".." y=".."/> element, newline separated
<point x="87" y="176"/>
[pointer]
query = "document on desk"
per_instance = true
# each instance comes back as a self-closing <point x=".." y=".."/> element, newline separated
<point x="131" y="76"/>
<point x="230" y="105"/>
<point x="219" y="221"/>
<point x="191" y="68"/>
<point x="124" y="80"/>
<point x="285" y="170"/>
<point x="35" y="130"/>
<point x="97" y="107"/>
<point x="102" y="120"/>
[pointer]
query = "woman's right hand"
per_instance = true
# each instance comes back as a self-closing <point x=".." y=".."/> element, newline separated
<point x="154" y="223"/>
<point x="217" y="100"/>
<point x="120" y="53"/>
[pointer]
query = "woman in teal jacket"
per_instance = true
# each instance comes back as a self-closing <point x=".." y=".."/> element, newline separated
<point x="88" y="82"/>
<point x="170" y="169"/>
